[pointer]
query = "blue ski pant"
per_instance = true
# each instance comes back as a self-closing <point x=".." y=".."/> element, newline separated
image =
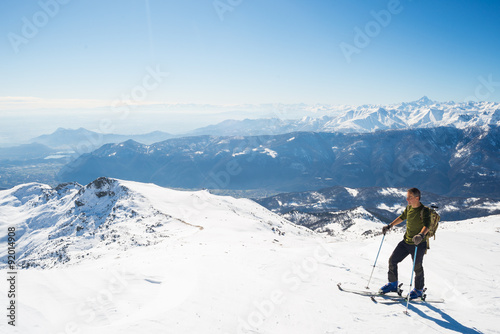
<point x="400" y="253"/>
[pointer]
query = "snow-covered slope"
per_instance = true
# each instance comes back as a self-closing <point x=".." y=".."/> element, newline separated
<point x="73" y="222"/>
<point x="221" y="265"/>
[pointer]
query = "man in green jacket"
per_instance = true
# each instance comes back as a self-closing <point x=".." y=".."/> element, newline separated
<point x="417" y="225"/>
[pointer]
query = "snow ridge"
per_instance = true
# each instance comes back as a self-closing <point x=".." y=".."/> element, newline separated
<point x="72" y="222"/>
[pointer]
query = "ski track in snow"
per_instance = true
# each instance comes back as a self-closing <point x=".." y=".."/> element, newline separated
<point x="236" y="272"/>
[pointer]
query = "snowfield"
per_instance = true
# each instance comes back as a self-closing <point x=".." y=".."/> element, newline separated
<point x="216" y="264"/>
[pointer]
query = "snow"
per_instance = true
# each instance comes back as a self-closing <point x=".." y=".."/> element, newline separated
<point x="462" y="152"/>
<point x="239" y="153"/>
<point x="271" y="153"/>
<point x="352" y="192"/>
<point x="364" y="225"/>
<point x="490" y="206"/>
<point x="264" y="150"/>
<point x="449" y="208"/>
<point x="391" y="191"/>
<point x="227" y="267"/>
<point x="222" y="152"/>
<point x="55" y="156"/>
<point x="395" y="208"/>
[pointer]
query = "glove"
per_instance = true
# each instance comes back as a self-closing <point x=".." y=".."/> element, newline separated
<point x="418" y="239"/>
<point x="386" y="228"/>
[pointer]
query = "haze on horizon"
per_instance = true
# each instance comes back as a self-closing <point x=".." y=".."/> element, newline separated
<point x="175" y="66"/>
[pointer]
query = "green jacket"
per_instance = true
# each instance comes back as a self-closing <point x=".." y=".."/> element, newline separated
<point x="414" y="222"/>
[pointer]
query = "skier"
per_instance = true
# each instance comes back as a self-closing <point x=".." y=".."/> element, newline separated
<point x="417" y="225"/>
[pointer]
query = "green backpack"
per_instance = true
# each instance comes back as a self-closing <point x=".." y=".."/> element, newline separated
<point x="435" y="218"/>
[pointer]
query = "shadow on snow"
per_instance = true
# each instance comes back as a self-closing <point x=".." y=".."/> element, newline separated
<point x="447" y="321"/>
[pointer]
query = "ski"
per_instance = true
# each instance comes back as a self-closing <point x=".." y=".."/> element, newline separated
<point x="369" y="293"/>
<point x="401" y="299"/>
<point x="389" y="298"/>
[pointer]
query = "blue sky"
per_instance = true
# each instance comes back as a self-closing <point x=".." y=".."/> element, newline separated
<point x="81" y="53"/>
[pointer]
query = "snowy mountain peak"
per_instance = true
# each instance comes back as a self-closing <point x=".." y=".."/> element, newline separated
<point x="70" y="223"/>
<point x="425" y="101"/>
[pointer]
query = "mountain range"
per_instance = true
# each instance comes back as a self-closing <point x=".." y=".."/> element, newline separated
<point x="83" y="141"/>
<point x="468" y="165"/>
<point x="353" y="224"/>
<point x="446" y="161"/>
<point x="340" y="205"/>
<point x="423" y="113"/>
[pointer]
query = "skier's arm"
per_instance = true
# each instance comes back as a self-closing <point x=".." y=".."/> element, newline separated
<point x="389" y="226"/>
<point x="424" y="230"/>
<point x="396" y="222"/>
<point x="426" y="220"/>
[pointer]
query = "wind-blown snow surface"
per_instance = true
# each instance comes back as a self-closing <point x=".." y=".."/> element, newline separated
<point x="222" y="265"/>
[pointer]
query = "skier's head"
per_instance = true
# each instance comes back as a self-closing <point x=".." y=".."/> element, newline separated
<point x="414" y="192"/>
<point x="413" y="197"/>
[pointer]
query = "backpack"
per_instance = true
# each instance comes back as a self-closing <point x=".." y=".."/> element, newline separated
<point x="435" y="218"/>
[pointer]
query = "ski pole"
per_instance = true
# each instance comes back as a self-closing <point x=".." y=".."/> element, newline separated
<point x="411" y="281"/>
<point x="368" y="284"/>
